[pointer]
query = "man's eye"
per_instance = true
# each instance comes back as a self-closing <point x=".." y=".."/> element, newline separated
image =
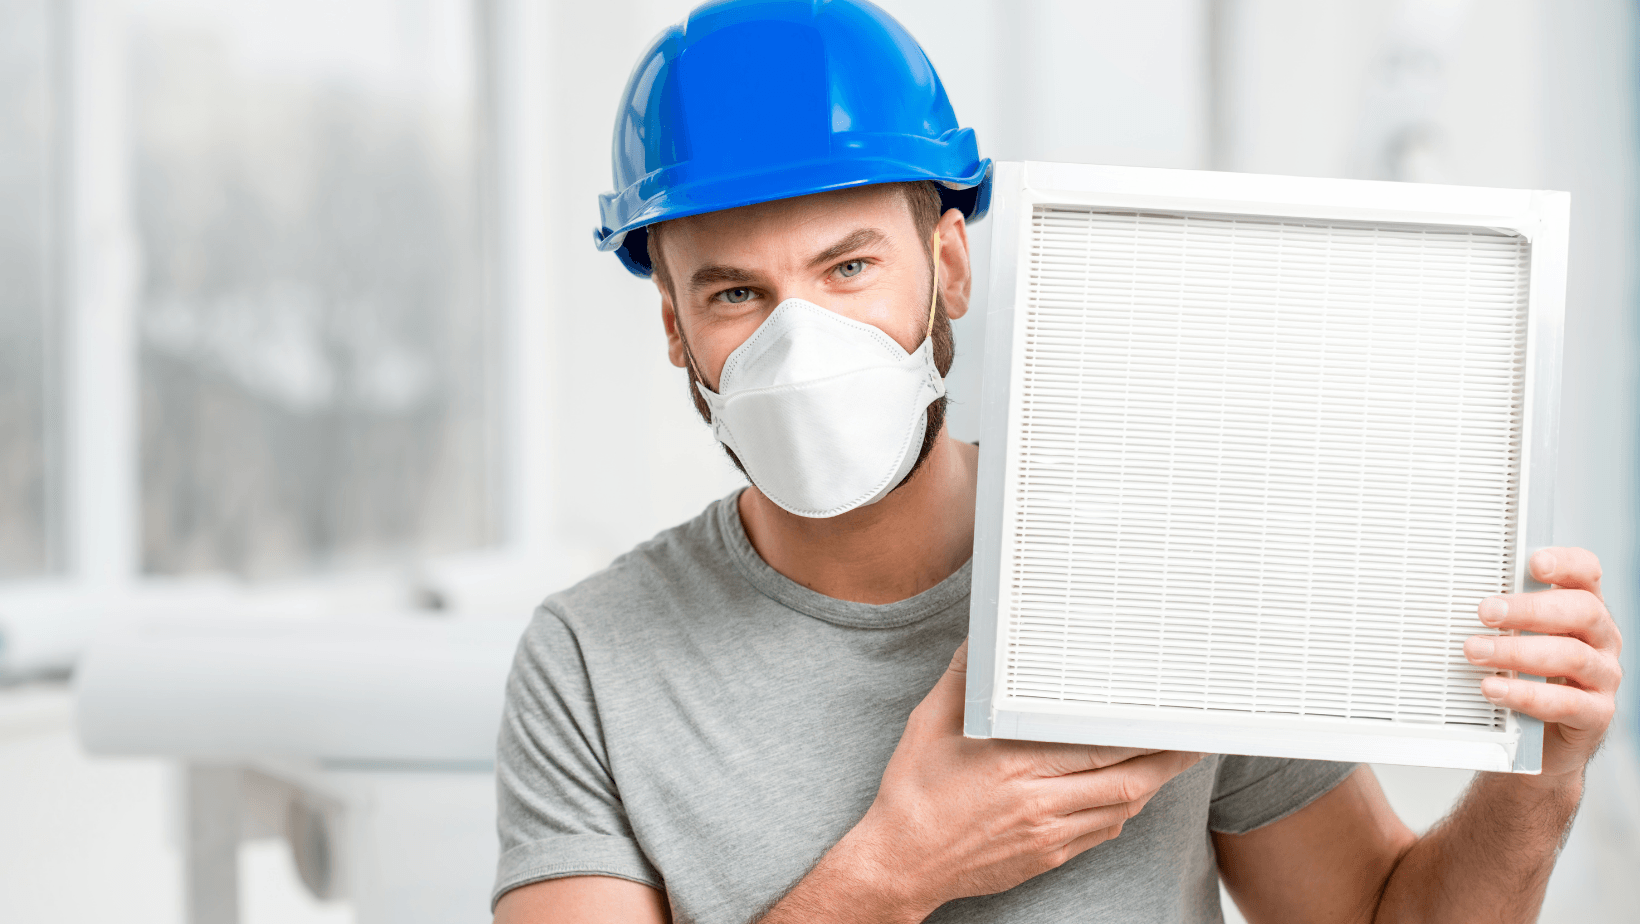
<point x="736" y="296"/>
<point x="851" y="268"/>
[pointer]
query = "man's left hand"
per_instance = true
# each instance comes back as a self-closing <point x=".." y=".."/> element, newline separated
<point x="1577" y="647"/>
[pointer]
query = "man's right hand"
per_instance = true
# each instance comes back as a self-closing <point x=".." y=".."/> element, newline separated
<point x="953" y="817"/>
<point x="956" y="817"/>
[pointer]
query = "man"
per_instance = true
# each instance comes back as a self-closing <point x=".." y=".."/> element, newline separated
<point x="756" y="715"/>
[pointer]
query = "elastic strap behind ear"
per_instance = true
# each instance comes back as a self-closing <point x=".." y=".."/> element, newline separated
<point x="934" y="300"/>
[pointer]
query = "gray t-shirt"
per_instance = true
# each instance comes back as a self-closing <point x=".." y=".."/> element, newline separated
<point x="693" y="720"/>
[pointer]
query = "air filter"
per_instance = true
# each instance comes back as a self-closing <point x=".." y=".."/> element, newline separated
<point x="1253" y="450"/>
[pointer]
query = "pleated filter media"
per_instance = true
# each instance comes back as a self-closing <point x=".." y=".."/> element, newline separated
<point x="1254" y="450"/>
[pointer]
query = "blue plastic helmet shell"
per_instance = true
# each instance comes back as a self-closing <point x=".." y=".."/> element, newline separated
<point x="754" y="100"/>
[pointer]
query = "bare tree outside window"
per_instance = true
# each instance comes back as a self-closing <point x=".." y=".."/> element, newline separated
<point x="316" y="355"/>
<point x="27" y="479"/>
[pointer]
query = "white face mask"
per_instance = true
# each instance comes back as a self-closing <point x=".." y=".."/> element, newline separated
<point x="826" y="414"/>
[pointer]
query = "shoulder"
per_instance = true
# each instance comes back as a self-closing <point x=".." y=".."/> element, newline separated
<point x="680" y="571"/>
<point x="608" y="638"/>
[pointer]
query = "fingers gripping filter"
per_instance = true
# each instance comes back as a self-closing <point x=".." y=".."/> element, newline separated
<point x="826" y="413"/>
<point x="1253" y="450"/>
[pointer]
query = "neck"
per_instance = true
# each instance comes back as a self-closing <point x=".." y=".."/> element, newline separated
<point x="912" y="539"/>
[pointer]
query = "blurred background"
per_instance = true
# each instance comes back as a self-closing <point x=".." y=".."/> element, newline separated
<point x="300" y="320"/>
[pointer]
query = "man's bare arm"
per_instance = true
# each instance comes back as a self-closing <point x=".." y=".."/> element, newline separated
<point x="583" y="900"/>
<point x="1346" y="857"/>
<point x="1489" y="860"/>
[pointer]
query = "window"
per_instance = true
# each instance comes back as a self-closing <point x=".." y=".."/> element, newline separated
<point x="266" y="312"/>
<point x="28" y="478"/>
<point x="314" y="340"/>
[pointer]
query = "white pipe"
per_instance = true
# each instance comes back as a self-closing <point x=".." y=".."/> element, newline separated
<point x="388" y="690"/>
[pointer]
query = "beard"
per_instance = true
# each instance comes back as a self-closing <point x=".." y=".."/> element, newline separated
<point x="945" y="353"/>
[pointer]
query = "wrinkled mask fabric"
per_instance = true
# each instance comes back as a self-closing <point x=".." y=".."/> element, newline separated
<point x="825" y="413"/>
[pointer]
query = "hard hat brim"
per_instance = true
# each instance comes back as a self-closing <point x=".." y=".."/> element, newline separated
<point x="669" y="194"/>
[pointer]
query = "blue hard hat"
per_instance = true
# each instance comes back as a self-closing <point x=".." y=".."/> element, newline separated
<point x="753" y="100"/>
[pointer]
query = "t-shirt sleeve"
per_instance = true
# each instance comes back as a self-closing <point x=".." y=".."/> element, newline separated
<point x="558" y="811"/>
<point x="1251" y="792"/>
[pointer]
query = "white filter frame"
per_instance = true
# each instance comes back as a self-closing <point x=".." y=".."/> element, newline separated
<point x="1539" y="217"/>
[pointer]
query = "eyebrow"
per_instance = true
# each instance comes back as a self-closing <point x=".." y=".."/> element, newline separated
<point x="718" y="274"/>
<point x="854" y="241"/>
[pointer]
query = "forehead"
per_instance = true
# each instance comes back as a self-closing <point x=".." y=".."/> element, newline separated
<point x="786" y="227"/>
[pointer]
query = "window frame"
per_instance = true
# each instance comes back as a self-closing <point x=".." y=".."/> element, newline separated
<point x="45" y="621"/>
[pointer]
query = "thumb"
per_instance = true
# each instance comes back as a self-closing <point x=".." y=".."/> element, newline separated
<point x="943" y="704"/>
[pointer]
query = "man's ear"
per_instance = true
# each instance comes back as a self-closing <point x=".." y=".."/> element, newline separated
<point x="669" y="319"/>
<point x="956" y="272"/>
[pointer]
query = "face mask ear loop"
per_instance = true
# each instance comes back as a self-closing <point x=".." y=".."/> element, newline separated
<point x="689" y="355"/>
<point x="934" y="300"/>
